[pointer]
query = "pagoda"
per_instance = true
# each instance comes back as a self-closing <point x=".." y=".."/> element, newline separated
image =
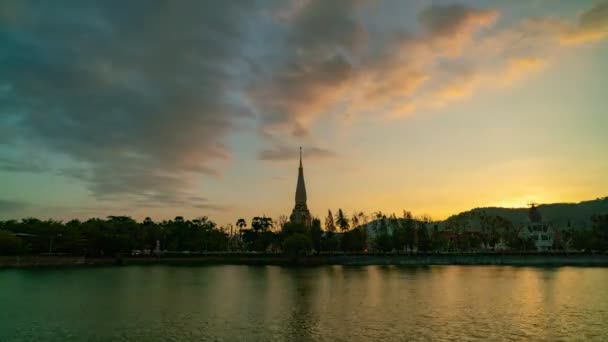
<point x="300" y="213"/>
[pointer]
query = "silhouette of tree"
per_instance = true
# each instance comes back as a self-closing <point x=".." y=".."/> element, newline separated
<point x="342" y="221"/>
<point x="354" y="220"/>
<point x="297" y="245"/>
<point x="281" y="221"/>
<point x="10" y="244"/>
<point x="329" y="222"/>
<point x="316" y="234"/>
<point x="362" y="218"/>
<point x="354" y="240"/>
<point x="257" y="224"/>
<point x="383" y="240"/>
<point x="407" y="233"/>
<point x="424" y="239"/>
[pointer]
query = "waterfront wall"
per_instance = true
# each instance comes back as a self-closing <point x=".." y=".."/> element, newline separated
<point x="340" y="259"/>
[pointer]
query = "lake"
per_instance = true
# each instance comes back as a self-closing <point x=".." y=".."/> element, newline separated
<point x="329" y="303"/>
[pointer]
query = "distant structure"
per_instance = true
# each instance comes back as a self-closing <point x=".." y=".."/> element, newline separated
<point x="300" y="213"/>
<point x="540" y="232"/>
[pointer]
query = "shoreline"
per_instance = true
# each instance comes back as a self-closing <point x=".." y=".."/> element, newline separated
<point x="488" y="259"/>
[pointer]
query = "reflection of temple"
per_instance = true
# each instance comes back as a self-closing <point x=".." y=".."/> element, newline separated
<point x="539" y="231"/>
<point x="300" y="213"/>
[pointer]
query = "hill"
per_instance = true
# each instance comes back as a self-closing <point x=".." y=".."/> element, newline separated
<point x="578" y="215"/>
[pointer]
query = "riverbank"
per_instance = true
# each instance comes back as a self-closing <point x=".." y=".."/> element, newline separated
<point x="532" y="259"/>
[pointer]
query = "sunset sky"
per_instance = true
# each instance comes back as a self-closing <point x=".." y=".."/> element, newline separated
<point x="192" y="108"/>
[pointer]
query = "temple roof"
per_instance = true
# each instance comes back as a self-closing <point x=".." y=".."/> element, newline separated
<point x="301" y="187"/>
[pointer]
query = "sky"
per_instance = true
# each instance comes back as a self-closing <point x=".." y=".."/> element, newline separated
<point x="197" y="108"/>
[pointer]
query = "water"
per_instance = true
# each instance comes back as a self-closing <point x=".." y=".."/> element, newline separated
<point x="333" y="303"/>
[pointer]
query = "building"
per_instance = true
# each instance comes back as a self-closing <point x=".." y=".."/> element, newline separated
<point x="540" y="232"/>
<point x="300" y="213"/>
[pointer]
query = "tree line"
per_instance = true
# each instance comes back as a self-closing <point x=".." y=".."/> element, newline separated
<point x="357" y="233"/>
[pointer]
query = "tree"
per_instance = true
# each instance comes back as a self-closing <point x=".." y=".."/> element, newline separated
<point x="330" y="241"/>
<point x="362" y="218"/>
<point x="241" y="223"/>
<point x="383" y="240"/>
<point x="10" y="244"/>
<point x="329" y="222"/>
<point x="342" y="221"/>
<point x="260" y="236"/>
<point x="296" y="245"/>
<point x="281" y="221"/>
<point x="316" y="234"/>
<point x="291" y="228"/>
<point x="267" y="223"/>
<point x="409" y="231"/>
<point x="600" y="232"/>
<point x="424" y="240"/>
<point x="354" y="240"/>
<point x="439" y="242"/>
<point x="355" y="220"/>
<point x="116" y="235"/>
<point x="261" y="224"/>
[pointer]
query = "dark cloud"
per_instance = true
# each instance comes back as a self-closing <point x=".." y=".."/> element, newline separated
<point x="141" y="95"/>
<point x="323" y="26"/>
<point x="10" y="207"/>
<point x="592" y="25"/>
<point x="595" y="18"/>
<point x="320" y="40"/>
<point x="452" y="20"/>
<point x="136" y="92"/>
<point x="27" y="164"/>
<point x="282" y="153"/>
<point x="178" y="200"/>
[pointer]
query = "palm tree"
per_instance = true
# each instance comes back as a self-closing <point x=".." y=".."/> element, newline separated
<point x="242" y="224"/>
<point x="342" y="220"/>
<point x="267" y="223"/>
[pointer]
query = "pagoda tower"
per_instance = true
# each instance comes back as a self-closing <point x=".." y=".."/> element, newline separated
<point x="300" y="213"/>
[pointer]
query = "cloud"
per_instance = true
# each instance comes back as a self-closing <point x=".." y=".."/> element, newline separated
<point x="410" y="74"/>
<point x="283" y="153"/>
<point x="409" y="71"/>
<point x="30" y="163"/>
<point x="136" y="96"/>
<point x="141" y="96"/>
<point x="320" y="37"/>
<point x="451" y="26"/>
<point x="329" y="64"/>
<point x="518" y="68"/>
<point x="10" y="207"/>
<point x="178" y="200"/>
<point x="592" y="26"/>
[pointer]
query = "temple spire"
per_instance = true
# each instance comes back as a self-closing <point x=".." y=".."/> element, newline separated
<point x="300" y="213"/>
<point x="301" y="187"/>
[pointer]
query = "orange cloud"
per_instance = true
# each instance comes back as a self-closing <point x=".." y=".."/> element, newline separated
<point x="517" y="68"/>
<point x="454" y="54"/>
<point x="592" y="26"/>
<point x="451" y="27"/>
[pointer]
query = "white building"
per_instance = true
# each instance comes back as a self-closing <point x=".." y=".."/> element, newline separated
<point x="541" y="233"/>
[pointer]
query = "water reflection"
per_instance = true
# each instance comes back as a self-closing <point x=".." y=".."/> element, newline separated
<point x="235" y="303"/>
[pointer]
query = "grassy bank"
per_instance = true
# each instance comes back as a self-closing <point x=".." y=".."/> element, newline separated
<point x="532" y="259"/>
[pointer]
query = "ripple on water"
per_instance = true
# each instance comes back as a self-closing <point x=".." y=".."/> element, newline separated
<point x="240" y="303"/>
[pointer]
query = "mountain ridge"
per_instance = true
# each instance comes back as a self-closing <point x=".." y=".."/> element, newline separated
<point x="575" y="215"/>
